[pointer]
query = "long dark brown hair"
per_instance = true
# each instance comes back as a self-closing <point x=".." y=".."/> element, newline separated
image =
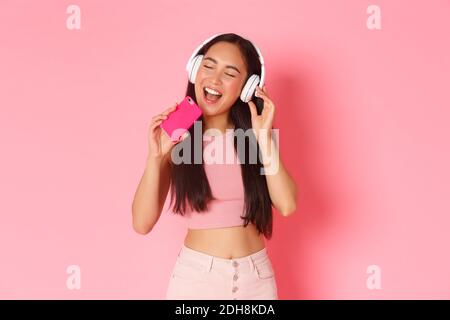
<point x="189" y="183"/>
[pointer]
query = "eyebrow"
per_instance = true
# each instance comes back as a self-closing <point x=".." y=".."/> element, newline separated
<point x="215" y="61"/>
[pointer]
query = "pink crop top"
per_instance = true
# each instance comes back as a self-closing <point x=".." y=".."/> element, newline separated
<point x="226" y="184"/>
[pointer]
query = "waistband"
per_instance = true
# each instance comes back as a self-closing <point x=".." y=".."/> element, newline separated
<point x="208" y="260"/>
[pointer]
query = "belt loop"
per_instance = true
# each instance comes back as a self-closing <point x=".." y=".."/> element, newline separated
<point x="251" y="262"/>
<point x="209" y="263"/>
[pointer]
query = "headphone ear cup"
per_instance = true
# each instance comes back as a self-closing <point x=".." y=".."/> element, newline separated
<point x="249" y="88"/>
<point x="194" y="66"/>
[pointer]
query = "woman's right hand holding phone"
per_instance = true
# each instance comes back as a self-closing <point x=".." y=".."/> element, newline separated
<point x="159" y="143"/>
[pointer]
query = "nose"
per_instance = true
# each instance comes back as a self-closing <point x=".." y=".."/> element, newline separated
<point x="216" y="78"/>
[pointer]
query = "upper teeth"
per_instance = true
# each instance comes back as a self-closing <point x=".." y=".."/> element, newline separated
<point x="211" y="91"/>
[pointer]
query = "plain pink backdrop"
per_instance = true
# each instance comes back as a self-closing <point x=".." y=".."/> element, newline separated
<point x="363" y="117"/>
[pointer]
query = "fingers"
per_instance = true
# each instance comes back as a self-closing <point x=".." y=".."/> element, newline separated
<point x="264" y="89"/>
<point x="164" y="115"/>
<point x="181" y="138"/>
<point x="155" y="124"/>
<point x="252" y="107"/>
<point x="261" y="94"/>
<point x="159" y="118"/>
<point x="170" y="109"/>
<point x="184" y="136"/>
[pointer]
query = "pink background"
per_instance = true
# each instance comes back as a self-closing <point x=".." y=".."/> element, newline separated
<point x="363" y="117"/>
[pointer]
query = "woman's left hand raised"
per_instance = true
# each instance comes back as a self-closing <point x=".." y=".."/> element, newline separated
<point x="265" y="119"/>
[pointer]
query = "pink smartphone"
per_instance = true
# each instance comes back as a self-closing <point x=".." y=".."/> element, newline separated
<point x="181" y="119"/>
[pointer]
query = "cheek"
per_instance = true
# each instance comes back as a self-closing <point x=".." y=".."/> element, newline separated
<point x="200" y="75"/>
<point x="198" y="83"/>
<point x="234" y="88"/>
<point x="197" y="90"/>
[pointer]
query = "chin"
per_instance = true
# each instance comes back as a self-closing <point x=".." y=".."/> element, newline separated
<point x="210" y="110"/>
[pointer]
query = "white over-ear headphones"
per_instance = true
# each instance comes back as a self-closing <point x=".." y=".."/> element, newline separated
<point x="250" y="86"/>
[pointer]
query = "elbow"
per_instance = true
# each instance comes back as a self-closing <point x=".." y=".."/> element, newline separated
<point x="141" y="227"/>
<point x="288" y="209"/>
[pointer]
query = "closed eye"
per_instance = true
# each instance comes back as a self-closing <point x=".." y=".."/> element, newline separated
<point x="230" y="75"/>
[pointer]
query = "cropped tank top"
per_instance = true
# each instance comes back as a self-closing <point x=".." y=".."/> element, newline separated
<point x="223" y="170"/>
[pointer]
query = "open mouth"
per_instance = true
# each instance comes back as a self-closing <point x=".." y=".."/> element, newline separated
<point x="211" y="95"/>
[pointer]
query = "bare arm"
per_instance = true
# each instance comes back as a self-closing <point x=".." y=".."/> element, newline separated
<point x="152" y="190"/>
<point x="151" y="194"/>
<point x="282" y="188"/>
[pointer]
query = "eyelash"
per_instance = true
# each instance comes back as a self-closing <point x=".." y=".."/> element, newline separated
<point x="225" y="73"/>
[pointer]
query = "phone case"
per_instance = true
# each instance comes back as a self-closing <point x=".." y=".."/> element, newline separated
<point x="181" y="119"/>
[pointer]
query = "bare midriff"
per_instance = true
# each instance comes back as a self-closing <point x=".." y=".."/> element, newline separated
<point x="227" y="243"/>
